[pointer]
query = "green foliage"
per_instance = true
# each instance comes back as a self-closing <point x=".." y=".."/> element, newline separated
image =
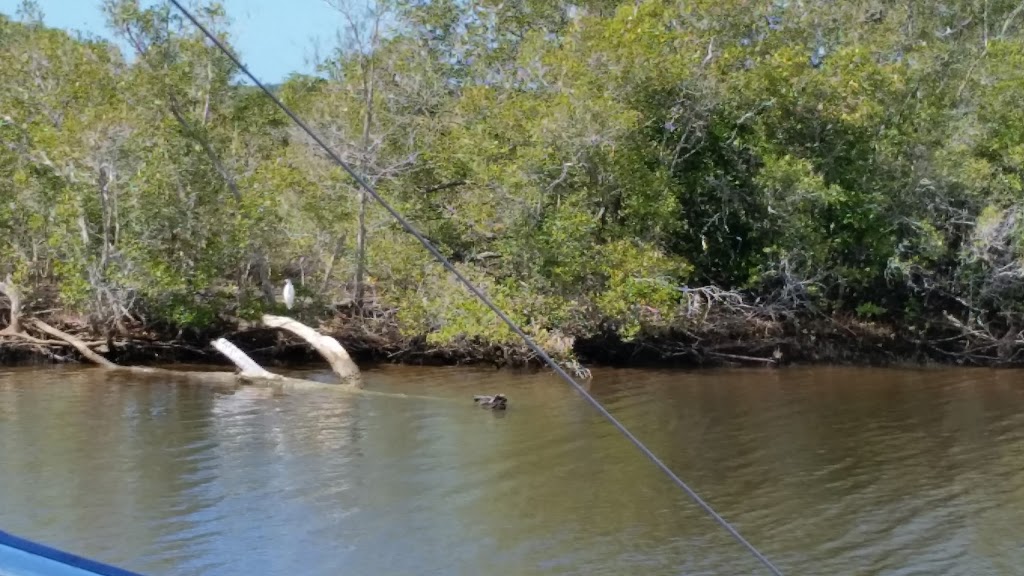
<point x="641" y="286"/>
<point x="870" y="310"/>
<point x="580" y="162"/>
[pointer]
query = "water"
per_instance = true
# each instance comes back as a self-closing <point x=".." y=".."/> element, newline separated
<point x="826" y="470"/>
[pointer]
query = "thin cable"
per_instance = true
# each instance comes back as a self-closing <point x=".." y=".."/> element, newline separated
<point x="483" y="297"/>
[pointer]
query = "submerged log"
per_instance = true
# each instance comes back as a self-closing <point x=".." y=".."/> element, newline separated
<point x="249" y="372"/>
<point x="247" y="365"/>
<point x="741" y="358"/>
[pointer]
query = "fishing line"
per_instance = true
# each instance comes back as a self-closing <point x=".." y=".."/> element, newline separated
<point x="483" y="298"/>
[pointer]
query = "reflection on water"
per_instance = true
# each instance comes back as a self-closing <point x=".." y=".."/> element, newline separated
<point x="826" y="470"/>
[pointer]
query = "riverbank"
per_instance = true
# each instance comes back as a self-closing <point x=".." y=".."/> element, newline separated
<point x="751" y="205"/>
<point x="376" y="338"/>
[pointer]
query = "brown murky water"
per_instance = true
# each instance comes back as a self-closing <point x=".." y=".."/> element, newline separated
<point x="826" y="470"/>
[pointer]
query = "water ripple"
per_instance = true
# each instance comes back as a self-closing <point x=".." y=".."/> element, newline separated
<point x="828" y="471"/>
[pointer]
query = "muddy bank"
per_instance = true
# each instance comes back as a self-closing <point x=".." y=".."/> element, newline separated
<point x="722" y="342"/>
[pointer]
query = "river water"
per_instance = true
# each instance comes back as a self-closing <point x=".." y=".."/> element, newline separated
<point x="825" y="470"/>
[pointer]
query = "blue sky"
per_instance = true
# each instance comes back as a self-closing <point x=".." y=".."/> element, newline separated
<point x="275" y="37"/>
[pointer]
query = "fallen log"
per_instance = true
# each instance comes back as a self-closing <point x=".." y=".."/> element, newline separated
<point x="248" y="366"/>
<point x="82" y="348"/>
<point x="328" y="347"/>
<point x="249" y="372"/>
<point x="742" y="358"/>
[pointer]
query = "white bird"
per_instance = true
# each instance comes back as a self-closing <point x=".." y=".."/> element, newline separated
<point x="289" y="293"/>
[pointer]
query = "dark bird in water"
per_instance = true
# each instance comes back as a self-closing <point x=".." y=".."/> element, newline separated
<point x="496" y="402"/>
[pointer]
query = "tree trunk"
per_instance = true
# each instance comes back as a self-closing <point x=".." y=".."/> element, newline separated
<point x="263" y="270"/>
<point x="361" y="250"/>
<point x="368" y="89"/>
<point x="7" y="288"/>
<point x="338" y="244"/>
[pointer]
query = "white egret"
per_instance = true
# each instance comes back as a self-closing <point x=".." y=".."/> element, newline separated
<point x="289" y="293"/>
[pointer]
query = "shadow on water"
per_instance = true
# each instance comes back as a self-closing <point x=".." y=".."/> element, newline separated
<point x="826" y="470"/>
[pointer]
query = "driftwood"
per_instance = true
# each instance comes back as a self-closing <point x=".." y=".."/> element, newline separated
<point x="82" y="348"/>
<point x="249" y="372"/>
<point x="741" y="358"/>
<point x="328" y="347"/>
<point x="248" y="366"/>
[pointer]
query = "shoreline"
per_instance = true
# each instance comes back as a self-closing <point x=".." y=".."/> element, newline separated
<point x="823" y="341"/>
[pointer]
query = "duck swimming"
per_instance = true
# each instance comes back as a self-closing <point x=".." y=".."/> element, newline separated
<point x="496" y="402"/>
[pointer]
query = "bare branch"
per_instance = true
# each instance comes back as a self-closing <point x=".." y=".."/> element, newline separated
<point x="1009" y="19"/>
